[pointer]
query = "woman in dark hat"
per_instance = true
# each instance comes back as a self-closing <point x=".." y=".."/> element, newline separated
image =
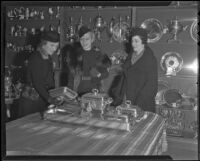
<point x="89" y="76"/>
<point x="140" y="76"/>
<point x="40" y="76"/>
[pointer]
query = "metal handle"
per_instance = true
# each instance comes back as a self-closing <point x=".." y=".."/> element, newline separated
<point x="95" y="91"/>
<point x="128" y="103"/>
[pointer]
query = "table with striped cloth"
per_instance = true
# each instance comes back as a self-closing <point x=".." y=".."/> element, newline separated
<point x="70" y="135"/>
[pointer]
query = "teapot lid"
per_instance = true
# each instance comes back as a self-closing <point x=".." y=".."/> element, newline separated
<point x="95" y="93"/>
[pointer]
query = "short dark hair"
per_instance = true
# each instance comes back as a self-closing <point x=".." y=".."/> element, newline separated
<point x="142" y="33"/>
<point x="83" y="30"/>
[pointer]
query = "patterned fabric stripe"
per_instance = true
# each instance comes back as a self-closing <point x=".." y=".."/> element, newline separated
<point x="92" y="121"/>
<point x="91" y="142"/>
<point x="60" y="118"/>
<point x="130" y="138"/>
<point x="26" y="119"/>
<point x="62" y="145"/>
<point x="21" y="133"/>
<point x="47" y="130"/>
<point x="155" y="137"/>
<point x="159" y="142"/>
<point x="132" y="145"/>
<point x="138" y="127"/>
<point x="104" y="144"/>
<point x="154" y="131"/>
<point x="69" y="139"/>
<point x="84" y="149"/>
<point x="90" y="139"/>
<point x="63" y="130"/>
<point x="150" y="132"/>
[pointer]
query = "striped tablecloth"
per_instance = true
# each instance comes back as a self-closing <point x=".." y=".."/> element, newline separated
<point x="69" y="135"/>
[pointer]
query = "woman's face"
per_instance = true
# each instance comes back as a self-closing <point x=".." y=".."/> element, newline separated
<point x="51" y="47"/>
<point x="86" y="41"/>
<point x="137" y="43"/>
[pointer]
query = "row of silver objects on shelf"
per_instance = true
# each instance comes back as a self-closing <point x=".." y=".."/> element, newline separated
<point x="17" y="48"/>
<point x="117" y="30"/>
<point x="171" y="63"/>
<point x="174" y="27"/>
<point x="120" y="30"/>
<point x="18" y="30"/>
<point x="22" y="13"/>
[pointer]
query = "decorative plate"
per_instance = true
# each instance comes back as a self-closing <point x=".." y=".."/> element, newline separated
<point x="193" y="30"/>
<point x="154" y="29"/>
<point x="171" y="63"/>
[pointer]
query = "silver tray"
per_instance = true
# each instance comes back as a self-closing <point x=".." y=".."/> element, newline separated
<point x="154" y="29"/>
<point x="171" y="63"/>
<point x="63" y="92"/>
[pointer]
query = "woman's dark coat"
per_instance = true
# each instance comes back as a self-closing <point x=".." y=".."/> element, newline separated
<point x="139" y="81"/>
<point x="40" y="75"/>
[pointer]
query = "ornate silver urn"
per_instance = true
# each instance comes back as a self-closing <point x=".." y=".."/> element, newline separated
<point x="99" y="26"/>
<point x="175" y="28"/>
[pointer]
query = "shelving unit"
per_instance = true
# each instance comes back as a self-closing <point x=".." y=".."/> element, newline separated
<point x="22" y="28"/>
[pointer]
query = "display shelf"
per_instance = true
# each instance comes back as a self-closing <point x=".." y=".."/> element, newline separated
<point x="180" y="121"/>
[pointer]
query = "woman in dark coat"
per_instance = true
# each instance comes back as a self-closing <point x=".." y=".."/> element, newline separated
<point x="40" y="76"/>
<point x="87" y="66"/>
<point x="139" y="78"/>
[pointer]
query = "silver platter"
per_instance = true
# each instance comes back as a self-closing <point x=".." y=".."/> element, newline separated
<point x="171" y="60"/>
<point x="154" y="29"/>
<point x="193" y="30"/>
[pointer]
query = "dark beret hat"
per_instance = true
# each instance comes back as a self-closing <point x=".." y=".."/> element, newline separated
<point x="51" y="36"/>
<point x="83" y="30"/>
